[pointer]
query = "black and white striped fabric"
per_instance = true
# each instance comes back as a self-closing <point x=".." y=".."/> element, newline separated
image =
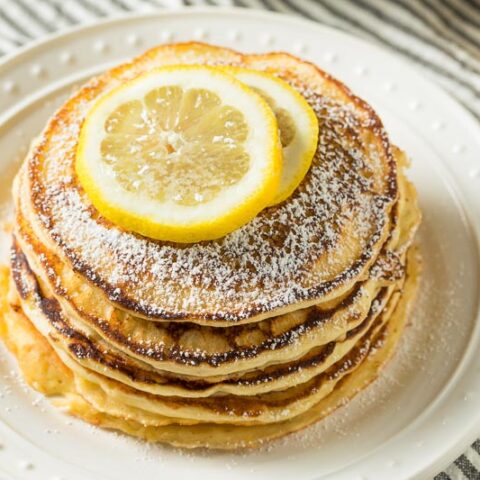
<point x="441" y="37"/>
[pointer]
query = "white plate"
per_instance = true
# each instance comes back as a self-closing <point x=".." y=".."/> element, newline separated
<point x="425" y="409"/>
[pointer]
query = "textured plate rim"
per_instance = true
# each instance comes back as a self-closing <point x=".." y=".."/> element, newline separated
<point x="469" y="432"/>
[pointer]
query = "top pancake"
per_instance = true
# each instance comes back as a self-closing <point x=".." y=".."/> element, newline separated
<point x="192" y="349"/>
<point x="310" y="248"/>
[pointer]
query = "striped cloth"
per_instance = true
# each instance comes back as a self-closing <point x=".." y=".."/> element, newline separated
<point x="441" y="37"/>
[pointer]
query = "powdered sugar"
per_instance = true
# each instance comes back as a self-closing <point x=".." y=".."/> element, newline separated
<point x="319" y="240"/>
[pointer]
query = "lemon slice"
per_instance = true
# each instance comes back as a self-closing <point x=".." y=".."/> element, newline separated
<point x="297" y="122"/>
<point x="181" y="153"/>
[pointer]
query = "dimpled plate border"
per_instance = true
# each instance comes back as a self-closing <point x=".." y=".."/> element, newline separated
<point x="36" y="441"/>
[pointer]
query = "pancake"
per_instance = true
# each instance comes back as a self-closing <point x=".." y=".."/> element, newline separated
<point x="293" y="400"/>
<point x="225" y="343"/>
<point x="73" y="346"/>
<point x="264" y="408"/>
<point x="195" y="350"/>
<point x="43" y="369"/>
<point x="309" y="249"/>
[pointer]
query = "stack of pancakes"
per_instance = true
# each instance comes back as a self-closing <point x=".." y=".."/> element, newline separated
<point x="226" y="343"/>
